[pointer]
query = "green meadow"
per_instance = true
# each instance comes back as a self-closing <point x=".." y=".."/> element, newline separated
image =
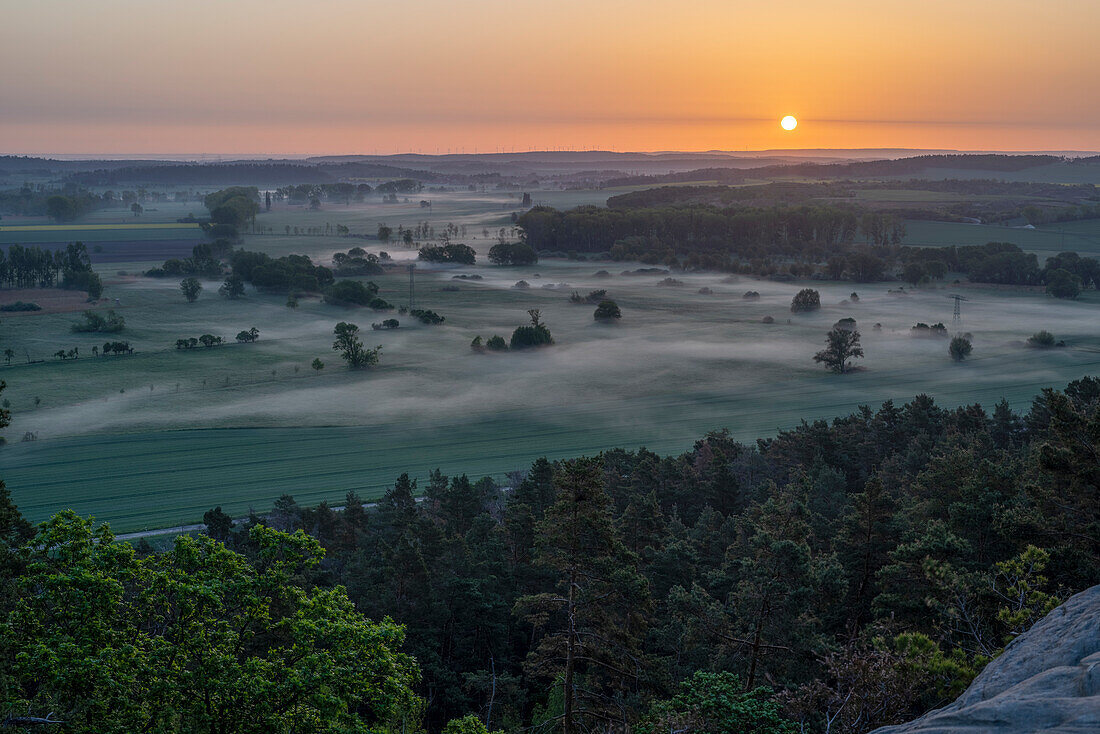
<point x="155" y="438"/>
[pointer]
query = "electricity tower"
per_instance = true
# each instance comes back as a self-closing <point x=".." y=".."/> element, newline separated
<point x="957" y="314"/>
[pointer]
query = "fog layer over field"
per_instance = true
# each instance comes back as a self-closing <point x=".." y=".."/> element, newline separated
<point x="680" y="363"/>
<point x="677" y="357"/>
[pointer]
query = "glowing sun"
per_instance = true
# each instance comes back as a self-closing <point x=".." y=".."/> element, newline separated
<point x="788" y="123"/>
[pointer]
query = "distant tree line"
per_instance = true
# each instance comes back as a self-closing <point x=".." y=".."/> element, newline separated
<point x="36" y="267"/>
<point x="60" y="205"/>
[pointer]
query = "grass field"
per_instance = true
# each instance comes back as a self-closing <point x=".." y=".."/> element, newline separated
<point x="1082" y="236"/>
<point x="156" y="438"/>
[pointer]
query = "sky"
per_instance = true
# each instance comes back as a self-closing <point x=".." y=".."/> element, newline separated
<point x="274" y="77"/>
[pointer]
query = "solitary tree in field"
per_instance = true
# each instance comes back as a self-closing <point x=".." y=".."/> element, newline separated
<point x="190" y="288"/>
<point x="351" y="349"/>
<point x="608" y="310"/>
<point x="317" y="364"/>
<point x="841" y="345"/>
<point x="137" y="209"/>
<point x="960" y="348"/>
<point x="9" y="353"/>
<point x="806" y="299"/>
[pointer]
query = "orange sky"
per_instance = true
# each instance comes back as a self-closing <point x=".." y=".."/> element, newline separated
<point x="359" y="76"/>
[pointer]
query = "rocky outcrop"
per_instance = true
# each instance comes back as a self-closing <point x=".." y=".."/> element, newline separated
<point x="1046" y="680"/>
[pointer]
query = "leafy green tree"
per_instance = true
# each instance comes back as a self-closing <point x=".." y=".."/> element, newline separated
<point x="317" y="364"/>
<point x="351" y="349"/>
<point x="195" y="639"/>
<point x="468" y="724"/>
<point x="1041" y="339"/>
<point x="607" y="310"/>
<point x="841" y="345"/>
<point x="591" y="627"/>
<point x="959" y="348"/>
<point x="716" y="703"/>
<point x="61" y="208"/>
<point x="218" y="524"/>
<point x="233" y="287"/>
<point x="1063" y="284"/>
<point x="806" y="299"/>
<point x="190" y="287"/>
<point x="507" y="253"/>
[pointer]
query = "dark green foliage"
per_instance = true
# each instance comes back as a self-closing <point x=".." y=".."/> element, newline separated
<point x="386" y="324"/>
<point x="426" y="316"/>
<point x="1062" y="283"/>
<point x="463" y="254"/>
<point x="841" y="345"/>
<point x="1041" y="339"/>
<point x="496" y="343"/>
<point x="233" y="287"/>
<point x="247" y="337"/>
<point x="116" y="348"/>
<point x="234" y="207"/>
<point x="716" y="703"/>
<point x="198" y="638"/>
<point x="351" y="349"/>
<point x="922" y="329"/>
<point x="292" y="273"/>
<point x="20" y="306"/>
<point x="351" y="293"/>
<point x="806" y="299"/>
<point x="356" y="262"/>
<point x="509" y="253"/>
<point x="111" y="323"/>
<point x="959" y="348"/>
<point x="32" y="267"/>
<point x="190" y="287"/>
<point x="608" y="310"/>
<point x="835" y="561"/>
<point x="527" y="337"/>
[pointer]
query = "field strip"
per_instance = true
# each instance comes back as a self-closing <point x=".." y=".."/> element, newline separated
<point x="93" y="227"/>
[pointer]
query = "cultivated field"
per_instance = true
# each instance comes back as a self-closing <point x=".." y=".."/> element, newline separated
<point x="155" y="438"/>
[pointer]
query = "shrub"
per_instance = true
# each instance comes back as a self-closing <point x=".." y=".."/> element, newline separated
<point x="1041" y="339"/>
<point x="521" y="284"/>
<point x="959" y="348"/>
<point x="426" y="316"/>
<point x="112" y="323"/>
<point x="20" y="306"/>
<point x="608" y="310"/>
<point x="806" y="299"/>
<point x="496" y="343"/>
<point x="387" y="324"/>
<point x="351" y="293"/>
<point x="751" y="296"/>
